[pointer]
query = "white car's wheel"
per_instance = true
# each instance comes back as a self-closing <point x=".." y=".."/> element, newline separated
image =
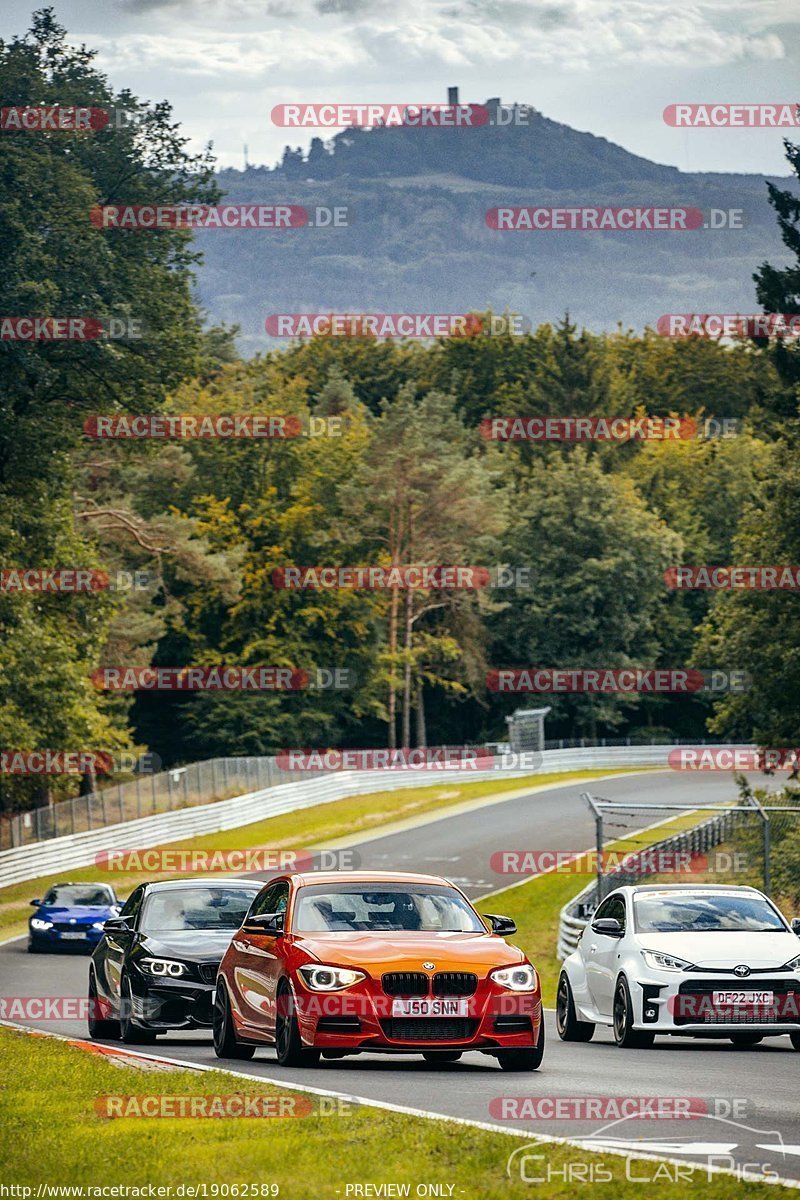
<point x="570" y="1029"/>
<point x="625" y="1035"/>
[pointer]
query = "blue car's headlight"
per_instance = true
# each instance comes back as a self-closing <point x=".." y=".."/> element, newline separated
<point x="98" y="924"/>
<point x="38" y="923"/>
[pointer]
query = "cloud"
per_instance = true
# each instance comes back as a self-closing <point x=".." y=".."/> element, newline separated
<point x="332" y="36"/>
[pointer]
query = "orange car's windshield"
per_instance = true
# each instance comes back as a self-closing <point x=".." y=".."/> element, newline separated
<point x="413" y="908"/>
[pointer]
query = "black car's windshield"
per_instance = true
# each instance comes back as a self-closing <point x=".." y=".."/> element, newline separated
<point x="73" y="894"/>
<point x="698" y="912"/>
<point x="176" y="909"/>
<point x="423" y="908"/>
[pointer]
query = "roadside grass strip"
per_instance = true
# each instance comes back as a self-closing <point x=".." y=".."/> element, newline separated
<point x="309" y="827"/>
<point x="53" y="1095"/>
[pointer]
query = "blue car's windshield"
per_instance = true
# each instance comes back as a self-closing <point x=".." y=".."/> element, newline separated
<point x="88" y="895"/>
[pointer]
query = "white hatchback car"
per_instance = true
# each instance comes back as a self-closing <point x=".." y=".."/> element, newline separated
<point x="696" y="961"/>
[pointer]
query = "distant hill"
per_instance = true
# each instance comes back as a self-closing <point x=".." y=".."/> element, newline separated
<point x="419" y="242"/>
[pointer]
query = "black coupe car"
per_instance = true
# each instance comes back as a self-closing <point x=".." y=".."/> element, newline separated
<point x="156" y="965"/>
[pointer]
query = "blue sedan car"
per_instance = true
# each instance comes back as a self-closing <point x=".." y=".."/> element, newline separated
<point x="71" y="916"/>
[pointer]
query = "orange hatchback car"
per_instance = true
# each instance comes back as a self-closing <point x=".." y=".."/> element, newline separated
<point x="338" y="963"/>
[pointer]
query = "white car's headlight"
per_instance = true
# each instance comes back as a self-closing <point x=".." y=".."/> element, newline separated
<point x="665" y="962"/>
<point x="328" y="979"/>
<point x="38" y="923"/>
<point x="792" y="965"/>
<point x="163" y="966"/>
<point x="517" y="979"/>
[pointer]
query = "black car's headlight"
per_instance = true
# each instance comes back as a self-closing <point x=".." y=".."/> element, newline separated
<point x="329" y="979"/>
<point x="161" y="967"/>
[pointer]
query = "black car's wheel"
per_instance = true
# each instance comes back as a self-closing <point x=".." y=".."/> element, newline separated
<point x="131" y="1034"/>
<point x="225" y="1043"/>
<point x="435" y="1057"/>
<point x="570" y="1029"/>
<point x="795" y="1039"/>
<point x="527" y="1059"/>
<point x="288" y="1045"/>
<point x="743" y="1040"/>
<point x="99" y="1027"/>
<point x="624" y="1033"/>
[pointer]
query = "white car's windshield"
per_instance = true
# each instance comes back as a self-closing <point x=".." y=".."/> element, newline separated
<point x="425" y="908"/>
<point x="700" y="912"/>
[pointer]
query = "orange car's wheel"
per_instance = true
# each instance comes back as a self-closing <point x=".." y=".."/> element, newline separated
<point x="528" y="1059"/>
<point x="288" y="1045"/>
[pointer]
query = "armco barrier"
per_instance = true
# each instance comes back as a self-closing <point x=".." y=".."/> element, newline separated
<point x="575" y="916"/>
<point x="61" y="854"/>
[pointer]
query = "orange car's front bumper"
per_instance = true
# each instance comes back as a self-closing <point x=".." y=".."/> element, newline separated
<point x="364" y="1017"/>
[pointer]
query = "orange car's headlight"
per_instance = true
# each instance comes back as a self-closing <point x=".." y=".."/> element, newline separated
<point x="522" y="978"/>
<point x="322" y="978"/>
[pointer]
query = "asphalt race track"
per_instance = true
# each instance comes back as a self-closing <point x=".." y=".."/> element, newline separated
<point x="752" y="1095"/>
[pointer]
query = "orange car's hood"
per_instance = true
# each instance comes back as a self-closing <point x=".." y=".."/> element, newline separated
<point x="408" y="951"/>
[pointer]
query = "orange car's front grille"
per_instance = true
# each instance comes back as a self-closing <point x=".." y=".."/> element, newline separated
<point x="405" y="983"/>
<point x="455" y="983"/>
<point x="425" y="1029"/>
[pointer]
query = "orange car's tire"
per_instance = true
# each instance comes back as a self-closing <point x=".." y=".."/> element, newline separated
<point x="225" y="1043"/>
<point x="288" y="1044"/>
<point x="527" y="1059"/>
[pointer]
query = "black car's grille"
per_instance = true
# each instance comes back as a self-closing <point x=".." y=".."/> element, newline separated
<point x="425" y="1029"/>
<point x="694" y="1003"/>
<point x="208" y="971"/>
<point x="454" y="983"/>
<point x="405" y="983"/>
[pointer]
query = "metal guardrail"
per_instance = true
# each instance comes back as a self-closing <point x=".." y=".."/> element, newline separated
<point x="80" y="849"/>
<point x="575" y="915"/>
<point x="196" y="783"/>
<point x="164" y="791"/>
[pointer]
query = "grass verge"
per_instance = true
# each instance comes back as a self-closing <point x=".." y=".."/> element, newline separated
<point x="54" y="1136"/>
<point x="309" y="827"/>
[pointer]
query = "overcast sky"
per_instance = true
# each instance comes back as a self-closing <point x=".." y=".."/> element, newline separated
<point x="606" y="66"/>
